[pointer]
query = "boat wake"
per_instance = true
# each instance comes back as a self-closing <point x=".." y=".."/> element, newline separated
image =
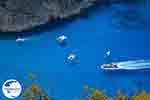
<point x="130" y="65"/>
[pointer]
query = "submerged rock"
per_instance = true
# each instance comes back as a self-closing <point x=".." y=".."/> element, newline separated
<point x="20" y="15"/>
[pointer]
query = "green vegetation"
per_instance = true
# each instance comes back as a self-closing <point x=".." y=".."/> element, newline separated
<point x="95" y="94"/>
<point x="34" y="92"/>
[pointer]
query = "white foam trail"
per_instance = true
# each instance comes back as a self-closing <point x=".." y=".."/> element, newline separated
<point x="135" y="64"/>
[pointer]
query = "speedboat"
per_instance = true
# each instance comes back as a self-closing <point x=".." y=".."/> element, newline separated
<point x="127" y="65"/>
<point x="111" y="66"/>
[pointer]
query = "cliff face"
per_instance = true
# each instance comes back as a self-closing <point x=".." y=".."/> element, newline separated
<point x="19" y="15"/>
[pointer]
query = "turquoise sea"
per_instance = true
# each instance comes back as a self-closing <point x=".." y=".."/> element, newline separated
<point x="120" y="27"/>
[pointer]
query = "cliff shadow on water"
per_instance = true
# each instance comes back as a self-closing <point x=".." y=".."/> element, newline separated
<point x="86" y="12"/>
<point x="53" y="23"/>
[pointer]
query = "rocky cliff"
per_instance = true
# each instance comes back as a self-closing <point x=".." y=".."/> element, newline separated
<point x="19" y="15"/>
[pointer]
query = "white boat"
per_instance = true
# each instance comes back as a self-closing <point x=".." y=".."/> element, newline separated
<point x="61" y="39"/>
<point x="21" y="39"/>
<point x="71" y="57"/>
<point x="127" y="65"/>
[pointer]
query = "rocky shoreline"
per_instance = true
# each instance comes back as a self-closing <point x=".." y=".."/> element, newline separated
<point x="25" y="15"/>
<point x="22" y="15"/>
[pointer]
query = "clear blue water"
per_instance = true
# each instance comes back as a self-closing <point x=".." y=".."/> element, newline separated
<point x="89" y="38"/>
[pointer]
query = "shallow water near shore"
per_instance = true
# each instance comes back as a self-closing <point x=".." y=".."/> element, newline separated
<point x="89" y="38"/>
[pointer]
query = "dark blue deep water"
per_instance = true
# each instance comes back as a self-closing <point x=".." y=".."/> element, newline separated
<point x="122" y="28"/>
